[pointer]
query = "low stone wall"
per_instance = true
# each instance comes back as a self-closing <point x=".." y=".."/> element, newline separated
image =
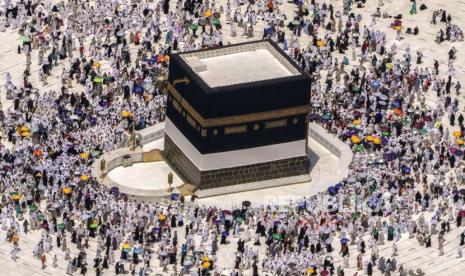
<point x="334" y="145"/>
<point x="148" y="134"/>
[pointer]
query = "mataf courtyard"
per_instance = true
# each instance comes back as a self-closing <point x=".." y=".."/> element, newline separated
<point x="261" y="137"/>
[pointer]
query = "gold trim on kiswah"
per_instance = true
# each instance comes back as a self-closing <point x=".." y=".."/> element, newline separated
<point x="239" y="119"/>
<point x="235" y="129"/>
<point x="276" y="123"/>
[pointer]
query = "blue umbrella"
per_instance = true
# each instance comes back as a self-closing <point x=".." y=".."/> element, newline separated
<point x="405" y="169"/>
<point x="174" y="196"/>
<point x="344" y="240"/>
<point x="338" y="186"/>
<point x="138" y="89"/>
<point x="331" y="190"/>
<point x="114" y="190"/>
<point x="375" y="83"/>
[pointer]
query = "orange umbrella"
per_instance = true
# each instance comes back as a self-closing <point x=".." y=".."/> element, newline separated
<point x="459" y="142"/>
<point x="67" y="190"/>
<point x="457" y="134"/>
<point x="37" y="152"/>
<point x="84" y="177"/>
<point x="398" y="112"/>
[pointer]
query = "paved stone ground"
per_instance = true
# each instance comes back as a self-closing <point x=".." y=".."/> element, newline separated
<point x="409" y="251"/>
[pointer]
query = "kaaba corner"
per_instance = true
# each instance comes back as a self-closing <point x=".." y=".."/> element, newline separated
<point x="236" y="115"/>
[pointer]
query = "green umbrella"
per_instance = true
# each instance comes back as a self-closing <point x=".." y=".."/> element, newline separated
<point x="194" y="27"/>
<point x="26" y="39"/>
<point x="386" y="133"/>
<point x="40" y="217"/>
<point x="32" y="207"/>
<point x="13" y="193"/>
<point x="93" y="225"/>
<point x="239" y="219"/>
<point x="423" y="131"/>
<point x="61" y="226"/>
<point x="98" y="80"/>
<point x="278" y="236"/>
<point x="215" y="21"/>
<point x="359" y="148"/>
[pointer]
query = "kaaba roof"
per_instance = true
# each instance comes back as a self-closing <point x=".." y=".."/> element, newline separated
<point x="262" y="78"/>
<point x="240" y="64"/>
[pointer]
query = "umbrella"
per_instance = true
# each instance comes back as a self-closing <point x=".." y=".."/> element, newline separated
<point x="377" y="141"/>
<point x="32" y="207"/>
<point x="25" y="39"/>
<point x="406" y="169"/>
<point x="61" y="226"/>
<point x="84" y="177"/>
<point x="357" y="122"/>
<point x="83" y="155"/>
<point x="375" y="83"/>
<point x="93" y="226"/>
<point x="370" y="138"/>
<point x="386" y="133"/>
<point x="16" y="197"/>
<point x="338" y="186"/>
<point x="161" y="217"/>
<point x="40" y="217"/>
<point x="344" y="240"/>
<point x="126" y="246"/>
<point x="246" y="203"/>
<point x="458" y="153"/>
<point x="331" y="189"/>
<point x="355" y="139"/>
<point x="277" y="222"/>
<point x="206" y="265"/>
<point x="194" y="27"/>
<point x="174" y="196"/>
<point x="278" y="236"/>
<point x="457" y="134"/>
<point x="239" y="219"/>
<point x="459" y="142"/>
<point x="114" y="190"/>
<point x="67" y="190"/>
<point x="138" y="250"/>
<point x="216" y="15"/>
<point x="359" y="148"/>
<point x="423" y="131"/>
<point x="216" y="21"/>
<point x="208" y="13"/>
<point x="126" y="114"/>
<point x="98" y="80"/>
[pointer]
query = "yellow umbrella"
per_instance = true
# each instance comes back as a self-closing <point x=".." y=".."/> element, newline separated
<point x="126" y="246"/>
<point x="208" y="13"/>
<point x="310" y="270"/>
<point x="377" y="141"/>
<point x="357" y="122"/>
<point x="369" y="138"/>
<point x="16" y="197"/>
<point x="84" y="155"/>
<point x="459" y="142"/>
<point x="25" y="133"/>
<point x="67" y="190"/>
<point x="23" y="128"/>
<point x="126" y="114"/>
<point x="389" y="65"/>
<point x="84" y="177"/>
<point x="161" y="217"/>
<point x="457" y="134"/>
<point x="438" y="124"/>
<point x="206" y="259"/>
<point x="206" y="265"/>
<point x="97" y="64"/>
<point x="355" y="139"/>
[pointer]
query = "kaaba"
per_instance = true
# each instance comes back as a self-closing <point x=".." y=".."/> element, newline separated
<point x="236" y="114"/>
